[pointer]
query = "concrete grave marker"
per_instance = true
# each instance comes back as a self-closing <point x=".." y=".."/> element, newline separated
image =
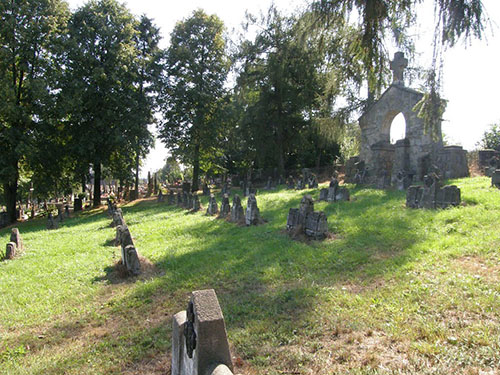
<point x="212" y="208"/>
<point x="51" y="223"/>
<point x="199" y="338"/>
<point x="10" y="251"/>
<point x="196" y="202"/>
<point x="252" y="214"/>
<point x="237" y="215"/>
<point x="15" y="237"/>
<point x="225" y="207"/>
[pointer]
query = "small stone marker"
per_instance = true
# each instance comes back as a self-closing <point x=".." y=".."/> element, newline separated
<point x="160" y="196"/>
<point x="212" y="206"/>
<point x="237" y="215"/>
<point x="225" y="207"/>
<point x="199" y="338"/>
<point x="252" y="214"/>
<point x="196" y="203"/>
<point x="15" y="237"/>
<point x="66" y="211"/>
<point x="131" y="260"/>
<point x="78" y="205"/>
<point x="313" y="182"/>
<point x="171" y="197"/>
<point x="51" y="223"/>
<point x="10" y="251"/>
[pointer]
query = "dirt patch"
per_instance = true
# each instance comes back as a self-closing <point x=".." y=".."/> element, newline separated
<point x="118" y="273"/>
<point x="479" y="267"/>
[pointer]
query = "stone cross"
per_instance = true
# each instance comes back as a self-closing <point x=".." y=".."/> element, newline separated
<point x="398" y="65"/>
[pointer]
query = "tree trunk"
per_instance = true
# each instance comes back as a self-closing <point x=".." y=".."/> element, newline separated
<point x="97" y="184"/>
<point x="84" y="187"/>
<point x="196" y="168"/>
<point x="10" y="192"/>
<point x="136" y="186"/>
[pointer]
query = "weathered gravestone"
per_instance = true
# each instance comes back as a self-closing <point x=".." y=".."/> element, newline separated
<point x="199" y="338"/>
<point x="495" y="178"/>
<point x="51" y="223"/>
<point x="171" y="197"/>
<point x="179" y="199"/>
<point x="323" y="194"/>
<point x="225" y="207"/>
<point x="66" y="211"/>
<point x="237" y="215"/>
<point x="212" y="208"/>
<point x="290" y="183"/>
<point x="131" y="260"/>
<point x="195" y="203"/>
<point x="431" y="195"/>
<point x="403" y="180"/>
<point x="160" y="196"/>
<point x="300" y="184"/>
<point x="78" y="205"/>
<point x="10" y="250"/>
<point x="15" y="237"/>
<point x="60" y="215"/>
<point x="117" y="218"/>
<point x="304" y="220"/>
<point x="252" y="214"/>
<point x="313" y="182"/>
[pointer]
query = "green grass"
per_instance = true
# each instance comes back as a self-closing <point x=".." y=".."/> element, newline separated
<point x="395" y="291"/>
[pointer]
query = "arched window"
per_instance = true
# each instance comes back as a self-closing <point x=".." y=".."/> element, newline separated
<point x="398" y="128"/>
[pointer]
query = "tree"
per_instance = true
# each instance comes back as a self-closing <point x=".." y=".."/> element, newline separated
<point x="28" y="39"/>
<point x="491" y="138"/>
<point x="195" y="71"/>
<point x="102" y="90"/>
<point x="171" y="171"/>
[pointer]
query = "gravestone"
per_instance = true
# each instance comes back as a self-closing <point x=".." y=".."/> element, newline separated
<point x="237" y="215"/>
<point x="342" y="194"/>
<point x="66" y="211"/>
<point x="196" y="203"/>
<point x="60" y="215"/>
<point x="212" y="208"/>
<point x="179" y="199"/>
<point x="323" y="194"/>
<point x="431" y="195"/>
<point x="304" y="220"/>
<point x="431" y="187"/>
<point x="171" y="197"/>
<point x="403" y="180"/>
<point x="290" y="183"/>
<point x="332" y="190"/>
<point x="495" y="178"/>
<point x="297" y="216"/>
<point x="10" y="250"/>
<point x="206" y="190"/>
<point x="125" y="238"/>
<point x="160" y="196"/>
<point x="269" y="184"/>
<point x="51" y="223"/>
<point x="316" y="225"/>
<point x="117" y="218"/>
<point x="78" y="205"/>
<point x="252" y="214"/>
<point x="118" y="235"/>
<point x="199" y="338"/>
<point x="300" y="184"/>
<point x="15" y="237"/>
<point x="313" y="182"/>
<point x="131" y="260"/>
<point x="225" y="207"/>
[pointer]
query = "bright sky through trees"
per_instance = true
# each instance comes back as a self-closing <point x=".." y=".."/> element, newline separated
<point x="471" y="75"/>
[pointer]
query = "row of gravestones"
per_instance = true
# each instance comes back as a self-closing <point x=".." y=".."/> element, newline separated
<point x="432" y="194"/>
<point x="53" y="222"/>
<point x="184" y="199"/>
<point x="123" y="238"/>
<point x="234" y="213"/>
<point x="302" y="182"/>
<point x="15" y="245"/>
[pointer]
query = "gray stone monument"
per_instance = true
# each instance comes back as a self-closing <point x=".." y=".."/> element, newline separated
<point x="51" y="223"/>
<point x="15" y="237"/>
<point x="131" y="260"/>
<point x="199" y="338"/>
<point x="212" y="208"/>
<point x="304" y="220"/>
<point x="495" y="178"/>
<point x="252" y="214"/>
<point x="10" y="250"/>
<point x="225" y="207"/>
<point x="237" y="215"/>
<point x="196" y="202"/>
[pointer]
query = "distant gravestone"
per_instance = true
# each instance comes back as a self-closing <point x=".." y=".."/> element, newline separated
<point x="66" y="211"/>
<point x="206" y="190"/>
<point x="199" y="338"/>
<point x="316" y="225"/>
<point x="51" y="223"/>
<point x="118" y="235"/>
<point x="10" y="250"/>
<point x="225" y="207"/>
<point x="403" y="180"/>
<point x="160" y="196"/>
<point x="179" y="199"/>
<point x="212" y="208"/>
<point x="117" y="218"/>
<point x="342" y="194"/>
<point x="60" y="215"/>
<point x="196" y="203"/>
<point x="306" y="221"/>
<point x="237" y="215"/>
<point x="300" y="184"/>
<point x="171" y="197"/>
<point x="252" y="214"/>
<point x="269" y="184"/>
<point x="495" y="178"/>
<point x="15" y="237"/>
<point x="78" y="205"/>
<point x="323" y="194"/>
<point x="431" y="195"/>
<point x="313" y="182"/>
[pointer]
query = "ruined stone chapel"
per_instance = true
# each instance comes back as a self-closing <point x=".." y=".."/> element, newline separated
<point x="415" y="154"/>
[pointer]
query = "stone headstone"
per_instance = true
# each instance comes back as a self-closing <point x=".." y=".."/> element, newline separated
<point x="323" y="194"/>
<point x="195" y="203"/>
<point x="171" y="197"/>
<point x="118" y="235"/>
<point x="131" y="261"/>
<point x="342" y="194"/>
<point x="403" y="180"/>
<point x="269" y="184"/>
<point x="294" y="219"/>
<point x="212" y="208"/>
<point x="125" y="238"/>
<point x="300" y="184"/>
<point x="78" y="205"/>
<point x="412" y="196"/>
<point x="431" y="187"/>
<point x="160" y="196"/>
<point x="306" y="205"/>
<point x="199" y="338"/>
<point x="495" y="178"/>
<point x="313" y="182"/>
<point x="66" y="211"/>
<point x="179" y="199"/>
<point x="237" y="215"/>
<point x="316" y="225"/>
<point x="290" y="183"/>
<point x="10" y="250"/>
<point x="225" y="207"/>
<point x="252" y="214"/>
<point x="117" y="218"/>
<point x="15" y="237"/>
<point x="51" y="223"/>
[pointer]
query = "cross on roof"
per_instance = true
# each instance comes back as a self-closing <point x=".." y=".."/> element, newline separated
<point x="398" y="65"/>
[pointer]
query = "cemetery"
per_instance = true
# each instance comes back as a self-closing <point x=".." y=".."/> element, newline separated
<point x="290" y="228"/>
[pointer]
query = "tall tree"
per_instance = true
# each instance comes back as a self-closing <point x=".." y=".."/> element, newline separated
<point x="101" y="89"/>
<point x="28" y="35"/>
<point x="196" y="69"/>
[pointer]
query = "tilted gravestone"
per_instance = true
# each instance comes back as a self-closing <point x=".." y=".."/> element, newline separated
<point x="15" y="237"/>
<point x="225" y="207"/>
<point x="212" y="208"/>
<point x="199" y="338"/>
<point x="10" y="250"/>
<point x="252" y="214"/>
<point x="237" y="215"/>
<point x="51" y="223"/>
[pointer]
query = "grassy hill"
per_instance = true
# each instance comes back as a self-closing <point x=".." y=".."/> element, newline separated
<point x="395" y="291"/>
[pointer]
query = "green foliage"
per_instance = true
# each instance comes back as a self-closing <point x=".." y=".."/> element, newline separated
<point x="171" y="171"/>
<point x="195" y="72"/>
<point x="491" y="138"/>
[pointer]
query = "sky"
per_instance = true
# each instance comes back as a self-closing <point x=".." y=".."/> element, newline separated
<point x="471" y="80"/>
